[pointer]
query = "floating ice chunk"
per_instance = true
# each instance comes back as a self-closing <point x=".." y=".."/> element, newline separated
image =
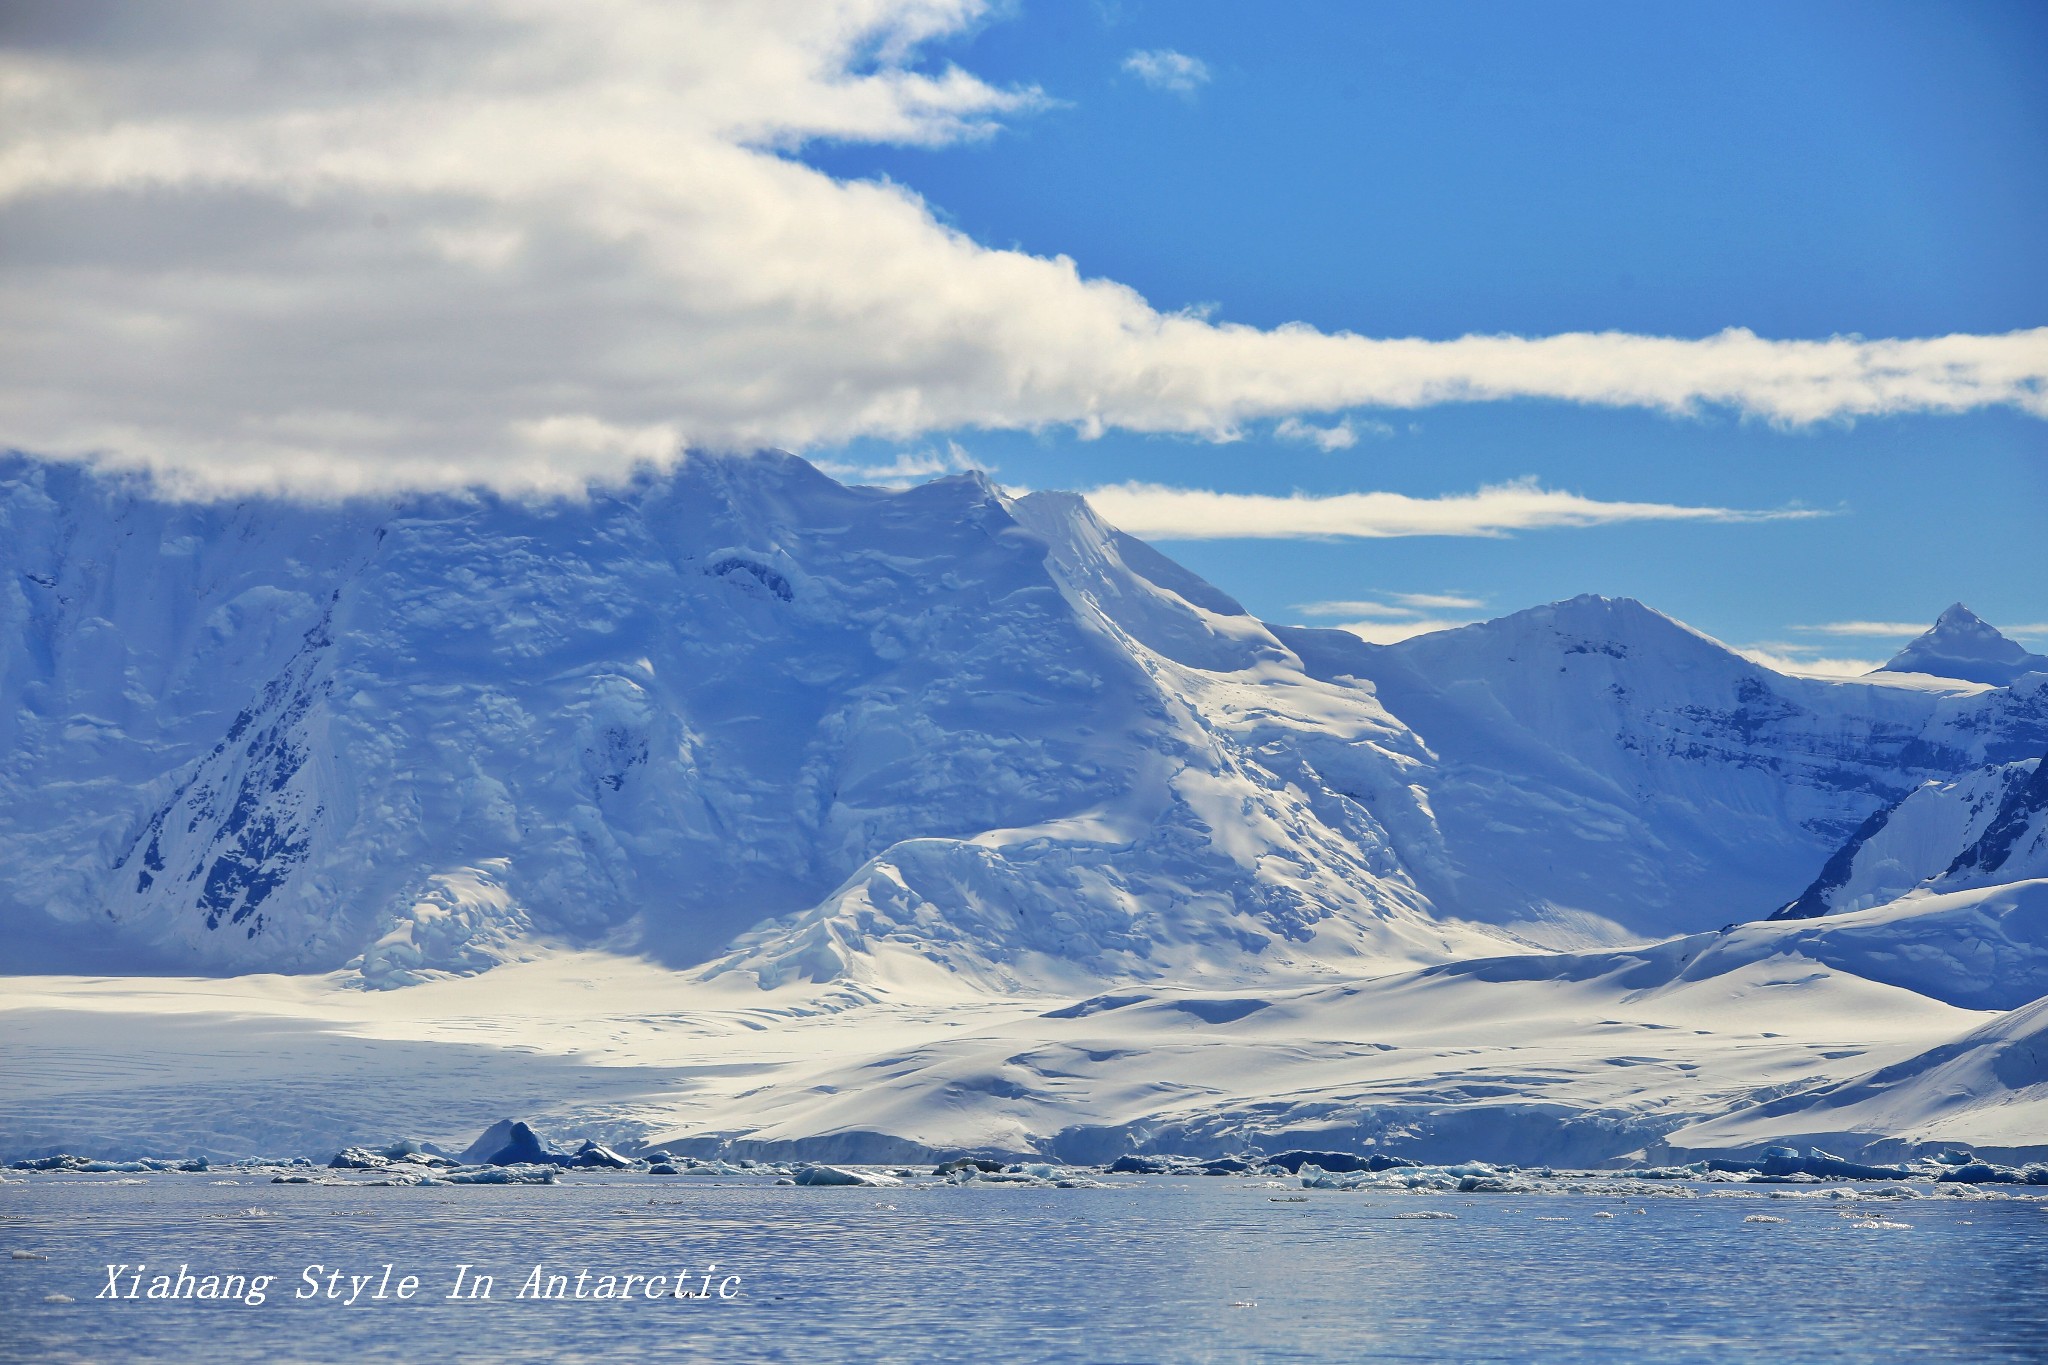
<point x="1409" y="1176"/>
<point x="840" y="1175"/>
<point x="508" y="1142"/>
<point x="358" y="1159"/>
<point x="1157" y="1165"/>
<point x="534" y="1174"/>
<point x="596" y="1154"/>
<point x="1763" y="1218"/>
<point x="523" y="1147"/>
<point x="1983" y="1173"/>
<point x="1292" y="1162"/>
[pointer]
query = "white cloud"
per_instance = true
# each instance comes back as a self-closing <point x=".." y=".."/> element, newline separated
<point x="1439" y="601"/>
<point x="1393" y="605"/>
<point x="1394" y="632"/>
<point x="1876" y="630"/>
<point x="1794" y="660"/>
<point x="908" y="467"/>
<point x="1341" y="436"/>
<point x="1164" y="69"/>
<point x="1378" y="609"/>
<point x="1401" y="616"/>
<point x="1338" y="437"/>
<point x="336" y="246"/>
<point x="1157" y="512"/>
<point x="1904" y="630"/>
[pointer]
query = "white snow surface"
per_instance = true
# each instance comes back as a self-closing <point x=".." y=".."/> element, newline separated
<point x="1569" y="1058"/>
<point x="1985" y="1089"/>
<point x="1483" y="1062"/>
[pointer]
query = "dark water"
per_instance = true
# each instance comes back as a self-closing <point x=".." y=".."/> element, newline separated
<point x="1161" y="1269"/>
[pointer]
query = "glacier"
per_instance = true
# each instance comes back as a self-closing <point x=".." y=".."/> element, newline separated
<point x="739" y="810"/>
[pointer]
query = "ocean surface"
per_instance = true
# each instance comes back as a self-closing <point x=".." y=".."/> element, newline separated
<point x="1155" y="1269"/>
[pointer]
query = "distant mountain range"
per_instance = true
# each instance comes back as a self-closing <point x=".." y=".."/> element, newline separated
<point x="740" y="713"/>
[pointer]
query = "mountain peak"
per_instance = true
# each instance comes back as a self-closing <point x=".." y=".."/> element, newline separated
<point x="1614" y="622"/>
<point x="1959" y="617"/>
<point x="1963" y="645"/>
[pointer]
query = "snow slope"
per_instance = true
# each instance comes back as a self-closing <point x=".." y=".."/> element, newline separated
<point x="1571" y="1058"/>
<point x="1985" y="1090"/>
<point x="1963" y="645"/>
<point x="1483" y="1060"/>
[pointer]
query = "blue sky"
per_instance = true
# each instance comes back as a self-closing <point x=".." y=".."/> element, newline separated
<point x="1736" y="308"/>
<point x="1800" y="170"/>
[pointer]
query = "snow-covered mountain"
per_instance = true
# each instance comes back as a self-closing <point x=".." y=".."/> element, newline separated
<point x="1603" y="771"/>
<point x="739" y="714"/>
<point x="1989" y="825"/>
<point x="1963" y="645"/>
<point x="983" y="735"/>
